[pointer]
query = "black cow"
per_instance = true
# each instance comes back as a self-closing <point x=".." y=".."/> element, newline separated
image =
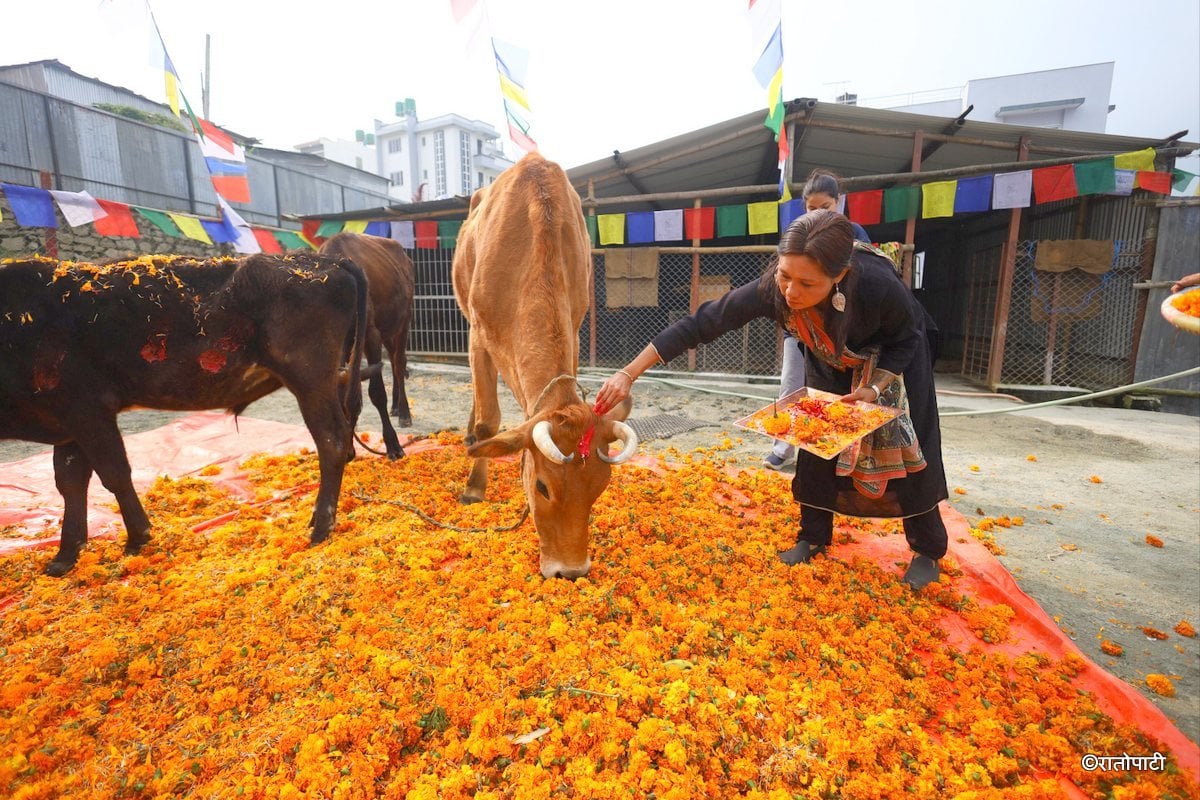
<point x="79" y="343"/>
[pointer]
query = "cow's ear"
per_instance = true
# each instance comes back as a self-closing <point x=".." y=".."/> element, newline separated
<point x="504" y="444"/>
<point x="621" y="412"/>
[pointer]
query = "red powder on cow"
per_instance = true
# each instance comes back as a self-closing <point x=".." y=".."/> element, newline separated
<point x="212" y="360"/>
<point x="155" y="350"/>
<point x="46" y="374"/>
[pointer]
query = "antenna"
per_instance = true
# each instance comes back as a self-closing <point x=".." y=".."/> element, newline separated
<point x="206" y="78"/>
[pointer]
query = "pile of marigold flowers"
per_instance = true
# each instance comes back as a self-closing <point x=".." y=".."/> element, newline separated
<point x="401" y="660"/>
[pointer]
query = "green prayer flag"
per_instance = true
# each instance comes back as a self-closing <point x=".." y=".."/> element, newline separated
<point x="1095" y="177"/>
<point x="593" y="229"/>
<point x="731" y="220"/>
<point x="774" y="120"/>
<point x="1180" y="178"/>
<point x="329" y="227"/>
<point x="448" y="232"/>
<point x="901" y="203"/>
<point x="160" y="220"/>
<point x="290" y="240"/>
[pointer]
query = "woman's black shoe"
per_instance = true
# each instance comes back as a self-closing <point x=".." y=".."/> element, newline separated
<point x="801" y="553"/>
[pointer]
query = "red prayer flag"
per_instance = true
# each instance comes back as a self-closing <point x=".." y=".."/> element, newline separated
<point x="266" y="240"/>
<point x="1054" y="183"/>
<point x="309" y="228"/>
<point x="234" y="188"/>
<point x="1153" y="181"/>
<point x="119" y="221"/>
<point x="865" y="207"/>
<point x="699" y="223"/>
<point x="426" y="234"/>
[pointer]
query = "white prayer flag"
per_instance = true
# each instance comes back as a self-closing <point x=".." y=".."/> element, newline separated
<point x="79" y="208"/>
<point x="1124" y="181"/>
<point x="1012" y="189"/>
<point x="403" y="233"/>
<point x="668" y="225"/>
<point x="244" y="241"/>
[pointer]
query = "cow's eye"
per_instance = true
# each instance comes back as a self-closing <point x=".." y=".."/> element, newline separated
<point x="541" y="487"/>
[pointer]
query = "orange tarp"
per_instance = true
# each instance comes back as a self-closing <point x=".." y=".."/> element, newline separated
<point x="30" y="503"/>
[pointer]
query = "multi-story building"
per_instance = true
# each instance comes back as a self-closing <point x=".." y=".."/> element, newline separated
<point x="359" y="154"/>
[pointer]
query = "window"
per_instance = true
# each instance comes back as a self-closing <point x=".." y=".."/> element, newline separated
<point x="464" y="163"/>
<point x="422" y="141"/>
<point x="439" y="164"/>
<point x="479" y="180"/>
<point x="397" y="178"/>
<point x="918" y="270"/>
<point x="396" y="145"/>
<point x="479" y="146"/>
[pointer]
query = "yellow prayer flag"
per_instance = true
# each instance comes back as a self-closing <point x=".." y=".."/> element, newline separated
<point x="1137" y="160"/>
<point x="775" y="91"/>
<point x="513" y="92"/>
<point x="612" y="228"/>
<point x="172" y="92"/>
<point x="191" y="228"/>
<point x="355" y="225"/>
<point x="763" y="217"/>
<point x="937" y="199"/>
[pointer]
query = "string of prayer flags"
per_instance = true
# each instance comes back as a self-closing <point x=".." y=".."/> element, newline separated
<point x="937" y="199"/>
<point x="864" y="207"/>
<point x="308" y="229"/>
<point x="901" y="203"/>
<point x="699" y="223"/>
<point x="217" y="232"/>
<point x="160" y="220"/>
<point x="191" y="227"/>
<point x="640" y="227"/>
<point x="1054" y="183"/>
<point x="668" y="225"/>
<point x="763" y="217"/>
<point x="243" y="237"/>
<point x="1096" y="177"/>
<point x="1012" y="189"/>
<point x="290" y="240"/>
<point x="612" y="228"/>
<point x="731" y="220"/>
<point x="426" y="234"/>
<point x="226" y="162"/>
<point x="512" y="63"/>
<point x="118" y="221"/>
<point x="33" y="208"/>
<point x="766" y="39"/>
<point x="267" y="241"/>
<point x="973" y="194"/>
<point x="161" y="60"/>
<point x="78" y="208"/>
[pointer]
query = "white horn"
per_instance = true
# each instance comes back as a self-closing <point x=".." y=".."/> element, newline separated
<point x="541" y="438"/>
<point x="625" y="433"/>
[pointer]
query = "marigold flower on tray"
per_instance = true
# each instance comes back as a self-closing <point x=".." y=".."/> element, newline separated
<point x="401" y="660"/>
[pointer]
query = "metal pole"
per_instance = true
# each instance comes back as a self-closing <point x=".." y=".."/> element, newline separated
<point x="1008" y="267"/>
<point x="694" y="298"/>
<point x="910" y="225"/>
<point x="591" y="293"/>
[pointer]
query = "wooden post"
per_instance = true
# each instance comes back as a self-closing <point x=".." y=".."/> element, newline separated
<point x="51" y="233"/>
<point x="591" y="286"/>
<point x="1052" y="331"/>
<point x="694" y="300"/>
<point x="1008" y="266"/>
<point x="910" y="226"/>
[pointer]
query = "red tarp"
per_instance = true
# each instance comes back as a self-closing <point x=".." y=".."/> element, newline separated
<point x="29" y="499"/>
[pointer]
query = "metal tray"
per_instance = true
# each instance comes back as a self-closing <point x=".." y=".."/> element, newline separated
<point x="809" y="426"/>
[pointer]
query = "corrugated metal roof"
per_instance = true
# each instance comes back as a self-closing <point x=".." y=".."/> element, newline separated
<point x="852" y="141"/>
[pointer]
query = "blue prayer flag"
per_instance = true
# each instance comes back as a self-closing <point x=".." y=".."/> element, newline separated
<point x="789" y="211"/>
<point x="973" y="194"/>
<point x="33" y="208"/>
<point x="641" y="227"/>
<point x="378" y="228"/>
<point x="218" y="231"/>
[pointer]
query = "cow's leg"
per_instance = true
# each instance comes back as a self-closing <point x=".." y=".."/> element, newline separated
<point x="103" y="447"/>
<point x="72" y="474"/>
<point x="399" y="354"/>
<point x="373" y="348"/>
<point x="332" y="434"/>
<point x="484" y="422"/>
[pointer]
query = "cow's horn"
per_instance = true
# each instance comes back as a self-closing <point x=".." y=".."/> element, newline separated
<point x="541" y="438"/>
<point x="625" y="433"/>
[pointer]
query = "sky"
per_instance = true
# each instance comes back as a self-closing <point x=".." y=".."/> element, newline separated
<point x="603" y="76"/>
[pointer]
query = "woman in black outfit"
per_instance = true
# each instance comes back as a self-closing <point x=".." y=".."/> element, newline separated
<point x="864" y="336"/>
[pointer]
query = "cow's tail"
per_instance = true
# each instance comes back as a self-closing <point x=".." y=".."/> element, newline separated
<point x="352" y="349"/>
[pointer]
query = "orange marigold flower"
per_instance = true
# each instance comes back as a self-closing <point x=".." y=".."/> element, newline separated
<point x="959" y="490"/>
<point x="1096" y="479"/>
<point x="1031" y="457"/>
<point x="1112" y="648"/>
<point x="1184" y="628"/>
<point x="1152" y="633"/>
<point x="1188" y="303"/>
<point x="1153" y="541"/>
<point x="1160" y="684"/>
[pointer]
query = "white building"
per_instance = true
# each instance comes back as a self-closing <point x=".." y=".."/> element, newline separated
<point x="446" y="156"/>
<point x="359" y="154"/>
<point x="1071" y="98"/>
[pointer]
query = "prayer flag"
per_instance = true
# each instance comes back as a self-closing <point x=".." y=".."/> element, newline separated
<point x="512" y="63"/>
<point x="354" y="226"/>
<point x="225" y="160"/>
<point x="763" y="217"/>
<point x="1123" y="182"/>
<point x="1137" y="160"/>
<point x="699" y="223"/>
<point x="460" y="8"/>
<point x="901" y="203"/>
<point x="1011" y="189"/>
<point x="217" y="231"/>
<point x="329" y="227"/>
<point x="973" y="194"/>
<point x="641" y="227"/>
<point x="864" y="207"/>
<point x="78" y="208"/>
<point x="309" y="228"/>
<point x="33" y="208"/>
<point x="1054" y="183"/>
<point x="267" y="241"/>
<point x="937" y="199"/>
<point x="731" y="220"/>
<point x="770" y="58"/>
<point x="118" y="221"/>
<point x="612" y="228"/>
<point x="668" y="225"/>
<point x="426" y="234"/>
<point x="191" y="227"/>
<point x="402" y="232"/>
<point x="160" y="59"/>
<point x="377" y="228"/>
<point x="1095" y="177"/>
<point x="1154" y="181"/>
<point x="789" y="210"/>
<point x="1181" y="179"/>
<point x="160" y="220"/>
<point x="290" y="240"/>
<point x="243" y="237"/>
<point x="592" y="229"/>
<point x="448" y="233"/>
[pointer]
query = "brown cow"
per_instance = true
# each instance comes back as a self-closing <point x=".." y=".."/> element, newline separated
<point x="521" y="275"/>
<point x="389" y="273"/>
<point x="79" y="343"/>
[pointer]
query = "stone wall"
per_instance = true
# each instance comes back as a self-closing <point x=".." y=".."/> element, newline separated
<point x="84" y="244"/>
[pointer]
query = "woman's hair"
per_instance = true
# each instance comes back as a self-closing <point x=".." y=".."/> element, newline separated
<point x="821" y="181"/>
<point x="826" y="237"/>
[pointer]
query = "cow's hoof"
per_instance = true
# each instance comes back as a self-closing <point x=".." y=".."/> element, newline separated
<point x="317" y="537"/>
<point x="404" y="422"/>
<point x="396" y="455"/>
<point x="469" y="499"/>
<point x="133" y="547"/>
<point x="56" y="569"/>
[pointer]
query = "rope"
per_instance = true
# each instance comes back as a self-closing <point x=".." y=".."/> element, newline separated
<point x="366" y="498"/>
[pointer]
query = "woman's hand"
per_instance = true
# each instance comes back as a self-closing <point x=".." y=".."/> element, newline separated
<point x="614" y="390"/>
<point x="865" y="394"/>
<point x="1185" y="282"/>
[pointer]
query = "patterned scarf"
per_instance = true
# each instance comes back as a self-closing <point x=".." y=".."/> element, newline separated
<point x="890" y="451"/>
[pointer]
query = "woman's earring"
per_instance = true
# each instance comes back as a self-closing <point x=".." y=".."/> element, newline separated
<point x="838" y="300"/>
